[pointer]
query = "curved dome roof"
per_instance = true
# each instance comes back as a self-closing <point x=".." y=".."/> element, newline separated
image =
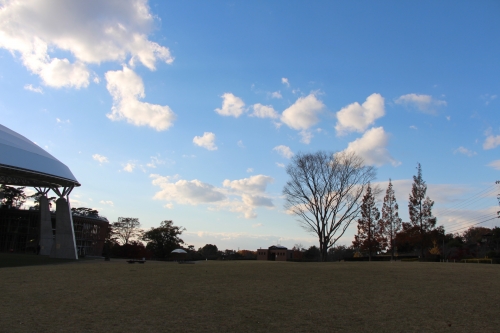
<point x="22" y="162"/>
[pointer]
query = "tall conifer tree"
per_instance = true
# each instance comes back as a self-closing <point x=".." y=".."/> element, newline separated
<point x="370" y="230"/>
<point x="390" y="217"/>
<point x="420" y="209"/>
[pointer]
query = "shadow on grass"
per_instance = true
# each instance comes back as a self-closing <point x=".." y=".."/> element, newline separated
<point x="17" y="260"/>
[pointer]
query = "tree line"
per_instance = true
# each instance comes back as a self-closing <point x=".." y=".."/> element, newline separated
<point x="328" y="191"/>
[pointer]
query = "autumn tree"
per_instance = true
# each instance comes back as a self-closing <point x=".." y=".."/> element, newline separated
<point x="126" y="229"/>
<point x="390" y="217"/>
<point x="370" y="236"/>
<point x="420" y="209"/>
<point x="324" y="191"/>
<point x="164" y="239"/>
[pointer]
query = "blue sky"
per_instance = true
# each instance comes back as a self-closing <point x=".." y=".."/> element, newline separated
<point x="190" y="110"/>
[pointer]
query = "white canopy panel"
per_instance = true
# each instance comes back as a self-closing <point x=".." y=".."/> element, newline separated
<point x="20" y="157"/>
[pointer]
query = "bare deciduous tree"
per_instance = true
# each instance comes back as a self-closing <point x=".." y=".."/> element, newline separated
<point x="127" y="228"/>
<point x="324" y="192"/>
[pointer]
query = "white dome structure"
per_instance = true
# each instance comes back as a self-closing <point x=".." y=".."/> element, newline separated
<point x="24" y="163"/>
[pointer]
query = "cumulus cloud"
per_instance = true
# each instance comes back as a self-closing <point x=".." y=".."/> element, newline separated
<point x="284" y="80"/>
<point x="33" y="89"/>
<point x="357" y="118"/>
<point x="372" y="147"/>
<point x="284" y="151"/>
<point x="276" y="94"/>
<point x="264" y="111"/>
<point x="302" y="115"/>
<point x="91" y="31"/>
<point x="99" y="158"/>
<point x="240" y="196"/>
<point x="129" y="167"/>
<point x="280" y="165"/>
<point x="206" y="141"/>
<point x="126" y="88"/>
<point x="231" y="106"/>
<point x="423" y="103"/>
<point x="491" y="142"/>
<point x="495" y="164"/>
<point x="191" y="192"/>
<point x="250" y="170"/>
<point x="253" y="185"/>
<point x="465" y="151"/>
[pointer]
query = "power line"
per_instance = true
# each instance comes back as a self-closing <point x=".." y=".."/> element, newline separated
<point x="455" y="230"/>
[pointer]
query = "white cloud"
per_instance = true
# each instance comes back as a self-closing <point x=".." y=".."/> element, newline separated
<point x="240" y="196"/>
<point x="495" y="164"/>
<point x="413" y="127"/>
<point x="253" y="185"/>
<point x="240" y="144"/>
<point x="59" y="121"/>
<point x="491" y="142"/>
<point x="231" y="106"/>
<point x="303" y="114"/>
<point x="33" y="89"/>
<point x="284" y="151"/>
<point x="488" y="98"/>
<point x="191" y="192"/>
<point x="284" y="80"/>
<point x="357" y="118"/>
<point x="465" y="151"/>
<point x="280" y="165"/>
<point x="107" y="203"/>
<point x="250" y="170"/>
<point x="99" y="158"/>
<point x="448" y="118"/>
<point x="305" y="136"/>
<point x="127" y="88"/>
<point x="91" y="31"/>
<point x="257" y="200"/>
<point x="206" y="141"/>
<point x="276" y="94"/>
<point x="155" y="161"/>
<point x="129" y="167"/>
<point x="372" y="147"/>
<point x="264" y="111"/>
<point x="257" y="225"/>
<point x="423" y="103"/>
<point x="169" y="206"/>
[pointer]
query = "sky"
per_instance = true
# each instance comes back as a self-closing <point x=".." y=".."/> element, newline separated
<point x="190" y="111"/>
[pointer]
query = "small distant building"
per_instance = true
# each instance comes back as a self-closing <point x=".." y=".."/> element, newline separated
<point x="275" y="253"/>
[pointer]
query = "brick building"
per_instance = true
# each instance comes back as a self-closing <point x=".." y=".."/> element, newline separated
<point x="275" y="253"/>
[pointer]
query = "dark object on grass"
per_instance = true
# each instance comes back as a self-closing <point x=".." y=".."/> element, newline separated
<point x="134" y="261"/>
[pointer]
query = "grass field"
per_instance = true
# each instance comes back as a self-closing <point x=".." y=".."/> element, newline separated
<point x="250" y="296"/>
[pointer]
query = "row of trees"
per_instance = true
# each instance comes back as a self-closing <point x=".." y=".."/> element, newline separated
<point x="378" y="233"/>
<point x="328" y="191"/>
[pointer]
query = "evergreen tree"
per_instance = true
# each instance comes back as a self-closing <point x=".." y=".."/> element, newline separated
<point x="390" y="217"/>
<point x="370" y="229"/>
<point x="420" y="209"/>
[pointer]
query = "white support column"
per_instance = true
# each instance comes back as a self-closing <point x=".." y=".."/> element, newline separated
<point x="46" y="235"/>
<point x="64" y="244"/>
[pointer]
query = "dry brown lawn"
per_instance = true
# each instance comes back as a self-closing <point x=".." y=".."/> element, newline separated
<point x="250" y="296"/>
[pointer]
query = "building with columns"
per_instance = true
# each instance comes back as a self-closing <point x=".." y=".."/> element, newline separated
<point x="23" y="163"/>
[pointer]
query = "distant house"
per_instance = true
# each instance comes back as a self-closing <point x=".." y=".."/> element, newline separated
<point x="275" y="253"/>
